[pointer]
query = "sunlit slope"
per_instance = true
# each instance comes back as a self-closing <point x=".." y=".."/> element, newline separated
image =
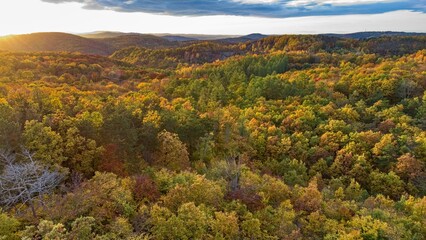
<point x="53" y="42"/>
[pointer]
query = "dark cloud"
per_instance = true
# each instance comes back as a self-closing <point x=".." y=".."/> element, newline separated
<point x="278" y="8"/>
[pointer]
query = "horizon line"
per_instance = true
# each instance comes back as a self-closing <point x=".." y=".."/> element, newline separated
<point x="211" y="34"/>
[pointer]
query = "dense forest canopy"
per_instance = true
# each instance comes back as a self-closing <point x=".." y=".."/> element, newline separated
<point x="286" y="137"/>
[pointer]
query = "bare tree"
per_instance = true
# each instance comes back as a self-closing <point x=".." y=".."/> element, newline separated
<point x="21" y="181"/>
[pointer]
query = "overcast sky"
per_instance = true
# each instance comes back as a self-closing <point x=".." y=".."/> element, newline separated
<point x="234" y="17"/>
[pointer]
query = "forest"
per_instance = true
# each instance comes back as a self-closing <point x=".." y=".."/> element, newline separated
<point x="286" y="137"/>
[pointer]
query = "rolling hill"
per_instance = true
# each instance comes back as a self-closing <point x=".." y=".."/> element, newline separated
<point x="201" y="37"/>
<point x="197" y="53"/>
<point x="54" y="41"/>
<point x="246" y="38"/>
<point x="367" y="35"/>
<point x="137" y="40"/>
<point x="103" y="34"/>
<point x="191" y="50"/>
<point x="177" y="38"/>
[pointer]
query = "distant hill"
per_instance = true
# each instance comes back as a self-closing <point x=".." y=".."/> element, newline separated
<point x="99" y="43"/>
<point x="122" y="40"/>
<point x="383" y="45"/>
<point x="210" y="51"/>
<point x="137" y="40"/>
<point x="106" y="43"/>
<point x="37" y="42"/>
<point x="53" y="41"/>
<point x="393" y="45"/>
<point x="169" y="36"/>
<point x="104" y="34"/>
<point x="247" y="38"/>
<point x="366" y="35"/>
<point x="311" y="43"/>
<point x="200" y="37"/>
<point x="179" y="38"/>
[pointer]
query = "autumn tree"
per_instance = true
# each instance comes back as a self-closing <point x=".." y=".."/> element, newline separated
<point x="172" y="153"/>
<point x="9" y="127"/>
<point x="310" y="198"/>
<point x="46" y="143"/>
<point x="8" y="226"/>
<point x="190" y="222"/>
<point x="82" y="153"/>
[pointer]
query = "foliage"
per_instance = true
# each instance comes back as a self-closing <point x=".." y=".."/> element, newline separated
<point x="291" y="137"/>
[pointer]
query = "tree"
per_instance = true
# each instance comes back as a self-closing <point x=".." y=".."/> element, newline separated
<point x="421" y="111"/>
<point x="9" y="135"/>
<point x="200" y="191"/>
<point x="251" y="227"/>
<point x="366" y="227"/>
<point x="8" y="226"/>
<point x="385" y="151"/>
<point x="172" y="153"/>
<point x="82" y="228"/>
<point x="190" y="222"/>
<point x="21" y="181"/>
<point x="145" y="189"/>
<point x="121" y="228"/>
<point x="310" y="198"/>
<point x="387" y="184"/>
<point x="278" y="221"/>
<point x="45" y="230"/>
<point x="225" y="225"/>
<point x="47" y="144"/>
<point x="104" y="197"/>
<point x="81" y="153"/>
<point x="408" y="167"/>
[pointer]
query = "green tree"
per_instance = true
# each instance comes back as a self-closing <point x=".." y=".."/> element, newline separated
<point x="387" y="184"/>
<point x="9" y="128"/>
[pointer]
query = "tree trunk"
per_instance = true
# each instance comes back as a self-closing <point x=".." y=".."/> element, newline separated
<point x="31" y="203"/>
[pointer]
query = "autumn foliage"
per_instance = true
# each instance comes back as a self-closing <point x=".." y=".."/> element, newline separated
<point x="291" y="137"/>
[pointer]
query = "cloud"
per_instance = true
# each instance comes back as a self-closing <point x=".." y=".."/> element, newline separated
<point x="261" y="8"/>
<point x="296" y="3"/>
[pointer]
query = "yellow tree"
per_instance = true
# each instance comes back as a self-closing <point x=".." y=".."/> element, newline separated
<point x="172" y="153"/>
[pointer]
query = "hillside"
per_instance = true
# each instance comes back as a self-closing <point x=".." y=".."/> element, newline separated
<point x="196" y="53"/>
<point x="305" y="138"/>
<point x="242" y="39"/>
<point x="54" y="42"/>
<point x="386" y="45"/>
<point x="366" y="35"/>
<point x="206" y="52"/>
<point x="137" y="40"/>
<point x="200" y="37"/>
<point x="179" y="38"/>
<point x="192" y="50"/>
<point x="285" y="137"/>
<point x="37" y="42"/>
<point x="103" y="34"/>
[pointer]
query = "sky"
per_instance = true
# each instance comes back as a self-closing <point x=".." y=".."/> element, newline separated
<point x="228" y="17"/>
